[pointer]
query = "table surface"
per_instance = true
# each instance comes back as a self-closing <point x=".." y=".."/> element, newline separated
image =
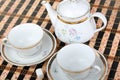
<point x="107" y="41"/>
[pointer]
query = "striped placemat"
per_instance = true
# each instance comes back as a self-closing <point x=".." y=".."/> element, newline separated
<point x="14" y="12"/>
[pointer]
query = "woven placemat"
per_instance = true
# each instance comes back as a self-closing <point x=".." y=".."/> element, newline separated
<point x="14" y="12"/>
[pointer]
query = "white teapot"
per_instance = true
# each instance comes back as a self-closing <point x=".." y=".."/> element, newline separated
<point x="73" y="21"/>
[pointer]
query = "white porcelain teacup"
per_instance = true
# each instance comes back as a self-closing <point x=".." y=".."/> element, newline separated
<point x="77" y="60"/>
<point x="25" y="38"/>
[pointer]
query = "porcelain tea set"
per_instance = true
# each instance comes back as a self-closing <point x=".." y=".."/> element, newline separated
<point x="28" y="44"/>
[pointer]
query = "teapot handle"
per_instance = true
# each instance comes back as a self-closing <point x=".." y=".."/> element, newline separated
<point x="103" y="18"/>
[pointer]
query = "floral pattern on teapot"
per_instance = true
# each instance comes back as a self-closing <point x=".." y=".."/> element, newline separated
<point x="70" y="34"/>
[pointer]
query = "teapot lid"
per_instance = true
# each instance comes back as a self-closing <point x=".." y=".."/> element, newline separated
<point x="73" y="8"/>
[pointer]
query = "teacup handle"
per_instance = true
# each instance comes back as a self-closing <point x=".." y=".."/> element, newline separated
<point x="39" y="74"/>
<point x="103" y="18"/>
<point x="97" y="69"/>
<point x="6" y="43"/>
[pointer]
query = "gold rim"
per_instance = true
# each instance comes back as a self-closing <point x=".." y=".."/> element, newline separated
<point x="75" y="71"/>
<point x="29" y="46"/>
<point x="76" y="22"/>
<point x="105" y="65"/>
<point x="49" y="65"/>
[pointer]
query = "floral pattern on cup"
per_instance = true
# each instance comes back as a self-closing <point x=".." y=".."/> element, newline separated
<point x="45" y="52"/>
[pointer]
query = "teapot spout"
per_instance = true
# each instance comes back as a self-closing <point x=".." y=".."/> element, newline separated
<point x="51" y="12"/>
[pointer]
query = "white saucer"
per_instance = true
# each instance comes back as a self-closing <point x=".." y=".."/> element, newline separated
<point x="48" y="48"/>
<point x="55" y="73"/>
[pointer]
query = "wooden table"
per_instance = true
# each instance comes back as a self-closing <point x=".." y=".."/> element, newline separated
<point x="14" y="12"/>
